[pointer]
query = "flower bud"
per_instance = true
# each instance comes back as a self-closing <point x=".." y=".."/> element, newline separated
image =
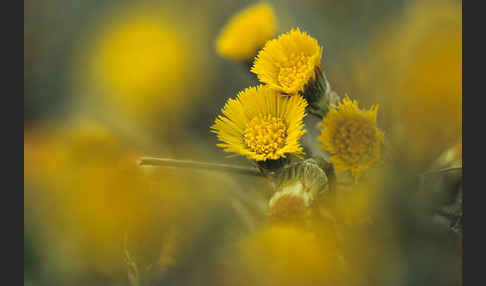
<point x="297" y="187"/>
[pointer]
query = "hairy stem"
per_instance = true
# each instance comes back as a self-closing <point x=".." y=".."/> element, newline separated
<point x="151" y="161"/>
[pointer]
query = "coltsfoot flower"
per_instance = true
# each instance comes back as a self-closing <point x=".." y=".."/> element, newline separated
<point x="352" y="137"/>
<point x="288" y="64"/>
<point x="246" y="32"/>
<point x="261" y="124"/>
<point x="138" y="64"/>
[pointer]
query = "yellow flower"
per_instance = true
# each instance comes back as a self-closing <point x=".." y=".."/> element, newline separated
<point x="246" y="32"/>
<point x="141" y="64"/>
<point x="415" y="68"/>
<point x="431" y="106"/>
<point x="289" y="63"/>
<point x="261" y="124"/>
<point x="135" y="55"/>
<point x="289" y="254"/>
<point x="352" y="137"/>
<point x="86" y="193"/>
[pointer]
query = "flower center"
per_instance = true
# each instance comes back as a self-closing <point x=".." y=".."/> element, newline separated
<point x="355" y="141"/>
<point x="292" y="69"/>
<point x="265" y="134"/>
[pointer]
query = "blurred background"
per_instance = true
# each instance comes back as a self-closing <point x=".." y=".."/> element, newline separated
<point x="106" y="82"/>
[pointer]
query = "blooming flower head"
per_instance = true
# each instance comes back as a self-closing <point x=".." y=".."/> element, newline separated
<point x="352" y="137"/>
<point x="288" y="63"/>
<point x="261" y="124"/>
<point x="246" y="32"/>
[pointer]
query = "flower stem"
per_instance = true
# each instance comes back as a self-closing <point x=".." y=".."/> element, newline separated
<point x="249" y="171"/>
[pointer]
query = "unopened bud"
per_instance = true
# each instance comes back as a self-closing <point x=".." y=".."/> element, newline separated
<point x="296" y="187"/>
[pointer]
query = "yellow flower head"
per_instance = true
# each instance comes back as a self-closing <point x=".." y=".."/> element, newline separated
<point x="136" y="53"/>
<point x="415" y="68"/>
<point x="88" y="174"/>
<point x="246" y="32"/>
<point x="289" y="254"/>
<point x="139" y="61"/>
<point x="352" y="137"/>
<point x="261" y="124"/>
<point x="288" y="63"/>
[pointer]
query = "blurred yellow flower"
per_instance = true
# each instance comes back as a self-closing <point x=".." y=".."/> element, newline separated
<point x="355" y="205"/>
<point x="61" y="150"/>
<point x="290" y="254"/>
<point x="416" y="67"/>
<point x="289" y="63"/>
<point x="351" y="136"/>
<point x="261" y="124"/>
<point x="432" y="105"/>
<point x="143" y="65"/>
<point x="86" y="193"/>
<point x="246" y="32"/>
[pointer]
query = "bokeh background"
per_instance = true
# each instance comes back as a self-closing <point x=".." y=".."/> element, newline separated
<point x="106" y="82"/>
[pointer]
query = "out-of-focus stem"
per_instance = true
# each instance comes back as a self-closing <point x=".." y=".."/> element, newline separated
<point x="444" y="170"/>
<point x="151" y="161"/>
